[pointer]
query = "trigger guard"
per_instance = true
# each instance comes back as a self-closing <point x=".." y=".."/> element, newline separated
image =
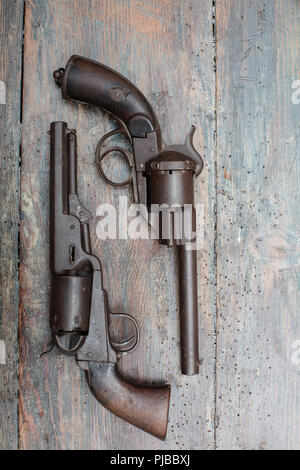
<point x="120" y="129"/>
<point x="126" y="155"/>
<point x="115" y="344"/>
<point x="69" y="351"/>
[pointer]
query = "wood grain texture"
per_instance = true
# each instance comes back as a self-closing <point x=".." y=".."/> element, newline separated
<point x="166" y="49"/>
<point x="247" y="396"/>
<point x="258" y="399"/>
<point x="11" y="31"/>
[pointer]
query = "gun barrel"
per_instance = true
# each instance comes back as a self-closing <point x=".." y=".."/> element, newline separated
<point x="188" y="311"/>
<point x="170" y="180"/>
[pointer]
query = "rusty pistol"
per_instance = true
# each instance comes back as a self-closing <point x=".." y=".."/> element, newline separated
<point x="80" y="317"/>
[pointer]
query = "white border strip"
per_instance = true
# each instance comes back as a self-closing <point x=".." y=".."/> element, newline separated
<point x="2" y="93"/>
<point x="2" y="352"/>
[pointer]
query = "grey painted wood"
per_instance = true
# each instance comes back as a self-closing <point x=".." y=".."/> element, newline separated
<point x="258" y="325"/>
<point x="166" y="49"/>
<point x="11" y="30"/>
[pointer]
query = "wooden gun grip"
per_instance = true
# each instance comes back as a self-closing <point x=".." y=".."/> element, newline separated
<point x="92" y="82"/>
<point x="143" y="406"/>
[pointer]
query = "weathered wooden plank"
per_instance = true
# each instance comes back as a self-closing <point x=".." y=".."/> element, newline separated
<point x="258" y="326"/>
<point x="11" y="31"/>
<point x="166" y="49"/>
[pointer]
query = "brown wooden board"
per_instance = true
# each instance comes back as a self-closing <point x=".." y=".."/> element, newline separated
<point x="248" y="395"/>
<point x="258" y="322"/>
<point x="11" y="31"/>
<point x="167" y="49"/>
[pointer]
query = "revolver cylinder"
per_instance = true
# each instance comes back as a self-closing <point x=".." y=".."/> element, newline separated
<point x="70" y="304"/>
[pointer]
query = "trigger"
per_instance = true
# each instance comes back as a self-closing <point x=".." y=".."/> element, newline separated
<point x="121" y="128"/>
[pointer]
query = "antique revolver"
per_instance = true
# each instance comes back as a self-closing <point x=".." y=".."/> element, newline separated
<point x="159" y="177"/>
<point x="80" y="318"/>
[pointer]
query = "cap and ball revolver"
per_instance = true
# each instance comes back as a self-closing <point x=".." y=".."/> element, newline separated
<point x="160" y="177"/>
